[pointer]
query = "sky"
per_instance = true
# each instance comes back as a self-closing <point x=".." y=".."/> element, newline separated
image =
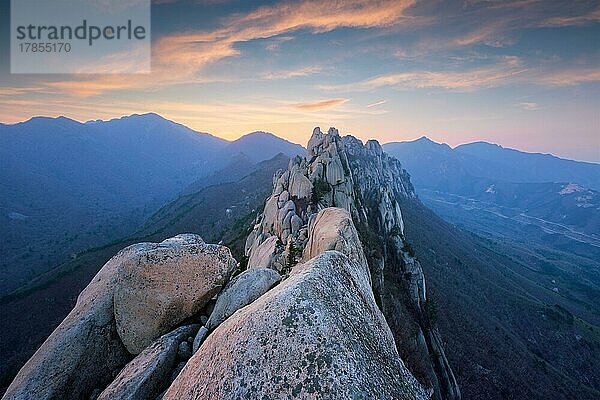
<point x="520" y="73"/>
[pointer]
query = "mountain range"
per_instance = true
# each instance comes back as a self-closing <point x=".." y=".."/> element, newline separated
<point x="555" y="194"/>
<point x="67" y="185"/>
<point x="513" y="284"/>
<point x="439" y="166"/>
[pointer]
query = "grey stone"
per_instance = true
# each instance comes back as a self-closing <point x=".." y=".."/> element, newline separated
<point x="184" y="351"/>
<point x="146" y="375"/>
<point x="318" y="334"/>
<point x="200" y="336"/>
<point x="241" y="291"/>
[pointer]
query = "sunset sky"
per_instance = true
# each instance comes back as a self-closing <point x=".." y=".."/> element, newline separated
<point x="521" y="73"/>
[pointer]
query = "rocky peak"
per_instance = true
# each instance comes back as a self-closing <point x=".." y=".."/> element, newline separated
<point x="362" y="179"/>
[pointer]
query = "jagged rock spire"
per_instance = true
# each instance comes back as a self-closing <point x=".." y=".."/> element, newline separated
<point x="365" y="181"/>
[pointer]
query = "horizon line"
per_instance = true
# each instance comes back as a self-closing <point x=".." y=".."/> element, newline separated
<point x="422" y="136"/>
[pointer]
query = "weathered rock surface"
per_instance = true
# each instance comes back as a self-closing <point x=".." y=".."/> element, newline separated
<point x="241" y="291"/>
<point x="332" y="229"/>
<point x="262" y="254"/>
<point x="165" y="284"/>
<point x="84" y="349"/>
<point x="363" y="180"/>
<point x="145" y="289"/>
<point x="148" y="373"/>
<point x="318" y="334"/>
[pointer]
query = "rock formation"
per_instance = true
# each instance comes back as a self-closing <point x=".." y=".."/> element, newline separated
<point x="86" y="350"/>
<point x="317" y="335"/>
<point x="149" y="372"/>
<point x="362" y="179"/>
<point x="332" y="305"/>
<point x="166" y="284"/>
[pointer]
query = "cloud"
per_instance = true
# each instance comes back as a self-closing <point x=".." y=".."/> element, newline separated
<point x="378" y="103"/>
<point x="583" y="19"/>
<point x="459" y="80"/>
<point x="509" y="70"/>
<point x="320" y="105"/>
<point x="275" y="43"/>
<point x="181" y="58"/>
<point x="294" y="73"/>
<point x="184" y="57"/>
<point x="529" y="106"/>
<point x="569" y="76"/>
<point x="493" y="35"/>
<point x="17" y="91"/>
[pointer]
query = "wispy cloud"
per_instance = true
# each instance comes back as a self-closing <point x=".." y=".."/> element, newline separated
<point x="320" y="105"/>
<point x="569" y="76"/>
<point x="458" y="80"/>
<point x="181" y="58"/>
<point x="377" y="103"/>
<point x="509" y="70"/>
<point x="275" y="43"/>
<point x="572" y="20"/>
<point x="528" y="106"/>
<point x="16" y="91"/>
<point x="293" y="73"/>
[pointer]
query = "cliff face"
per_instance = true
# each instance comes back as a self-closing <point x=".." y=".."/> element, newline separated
<point x="328" y="302"/>
<point x="342" y="172"/>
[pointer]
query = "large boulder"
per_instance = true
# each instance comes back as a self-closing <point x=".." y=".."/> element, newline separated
<point x="84" y="350"/>
<point x="318" y="334"/>
<point x="241" y="291"/>
<point x="332" y="229"/>
<point x="147" y="374"/>
<point x="165" y="285"/>
<point x="138" y="295"/>
<point x="262" y="254"/>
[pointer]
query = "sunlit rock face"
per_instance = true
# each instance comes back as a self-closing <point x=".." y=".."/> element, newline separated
<point x="318" y="334"/>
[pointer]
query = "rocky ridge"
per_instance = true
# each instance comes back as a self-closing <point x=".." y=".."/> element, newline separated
<point x="365" y="181"/>
<point x="330" y="302"/>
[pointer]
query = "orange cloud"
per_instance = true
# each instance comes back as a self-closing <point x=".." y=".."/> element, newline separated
<point x="320" y="105"/>
<point x="180" y="58"/>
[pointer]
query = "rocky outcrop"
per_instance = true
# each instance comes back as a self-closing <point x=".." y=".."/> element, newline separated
<point x="241" y="291"/>
<point x="148" y="374"/>
<point x="164" y="285"/>
<point x="318" y="334"/>
<point x="84" y="350"/>
<point x="367" y="183"/>
<point x="332" y="229"/>
<point x="170" y="280"/>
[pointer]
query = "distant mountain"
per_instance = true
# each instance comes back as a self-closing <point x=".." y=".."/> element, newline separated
<point x="260" y="146"/>
<point x="538" y="189"/>
<point x="432" y="164"/>
<point x="66" y="185"/>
